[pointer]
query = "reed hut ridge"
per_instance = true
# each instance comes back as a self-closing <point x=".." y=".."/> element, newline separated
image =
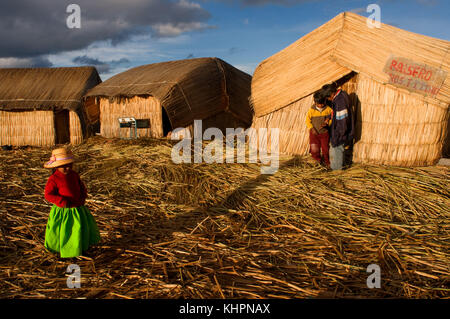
<point x="43" y="106"/>
<point x="398" y="83"/>
<point x="172" y="95"/>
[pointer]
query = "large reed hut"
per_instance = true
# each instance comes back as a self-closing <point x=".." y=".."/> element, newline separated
<point x="398" y="82"/>
<point x="43" y="106"/>
<point x="173" y="94"/>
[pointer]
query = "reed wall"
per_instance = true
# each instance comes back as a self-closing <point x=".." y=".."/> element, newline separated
<point x="222" y="121"/>
<point x="76" y="133"/>
<point x="397" y="128"/>
<point x="34" y="128"/>
<point x="137" y="107"/>
<point x="291" y="122"/>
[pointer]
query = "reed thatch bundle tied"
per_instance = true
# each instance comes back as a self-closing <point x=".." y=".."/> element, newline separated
<point x="399" y="84"/>
<point x="43" y="106"/>
<point x="173" y="94"/>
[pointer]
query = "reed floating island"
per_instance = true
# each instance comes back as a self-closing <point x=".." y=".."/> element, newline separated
<point x="225" y="231"/>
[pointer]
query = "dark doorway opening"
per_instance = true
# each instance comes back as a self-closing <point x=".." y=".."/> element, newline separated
<point x="62" y="127"/>
<point x="167" y="126"/>
<point x="446" y="150"/>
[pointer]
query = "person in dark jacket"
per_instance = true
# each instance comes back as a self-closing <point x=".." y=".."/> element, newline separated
<point x="342" y="128"/>
<point x="318" y="119"/>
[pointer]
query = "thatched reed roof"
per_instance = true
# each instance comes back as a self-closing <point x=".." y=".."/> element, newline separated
<point x="45" y="88"/>
<point x="188" y="89"/>
<point x="342" y="45"/>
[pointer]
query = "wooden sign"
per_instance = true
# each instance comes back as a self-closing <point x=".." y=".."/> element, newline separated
<point x="414" y="76"/>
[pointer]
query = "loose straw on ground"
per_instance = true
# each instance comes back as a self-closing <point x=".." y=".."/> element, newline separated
<point x="225" y="231"/>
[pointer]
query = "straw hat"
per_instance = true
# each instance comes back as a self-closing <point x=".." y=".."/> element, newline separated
<point x="60" y="157"/>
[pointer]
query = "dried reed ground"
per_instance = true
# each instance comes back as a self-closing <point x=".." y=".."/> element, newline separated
<point x="224" y="231"/>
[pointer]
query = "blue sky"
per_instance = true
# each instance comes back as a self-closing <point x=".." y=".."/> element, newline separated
<point x="243" y="33"/>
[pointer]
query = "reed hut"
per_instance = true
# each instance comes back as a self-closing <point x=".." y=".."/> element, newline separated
<point x="398" y="82"/>
<point x="43" y="106"/>
<point x="172" y="95"/>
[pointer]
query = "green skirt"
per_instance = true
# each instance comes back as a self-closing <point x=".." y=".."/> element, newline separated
<point x="70" y="231"/>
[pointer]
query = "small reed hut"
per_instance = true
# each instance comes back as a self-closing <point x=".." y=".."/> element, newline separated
<point x="43" y="106"/>
<point x="398" y="83"/>
<point x="172" y="95"/>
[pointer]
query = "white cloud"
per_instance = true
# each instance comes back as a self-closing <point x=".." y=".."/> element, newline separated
<point x="173" y="30"/>
<point x="189" y="5"/>
<point x="359" y="10"/>
<point x="33" y="62"/>
<point x="247" y="68"/>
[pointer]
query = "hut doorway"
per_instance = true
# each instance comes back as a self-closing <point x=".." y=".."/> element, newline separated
<point x="167" y="127"/>
<point x="446" y="149"/>
<point x="62" y="127"/>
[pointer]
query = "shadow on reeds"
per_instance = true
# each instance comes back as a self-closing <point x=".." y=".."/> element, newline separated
<point x="152" y="226"/>
<point x="235" y="199"/>
<point x="150" y="235"/>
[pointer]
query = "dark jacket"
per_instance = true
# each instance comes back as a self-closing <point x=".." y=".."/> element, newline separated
<point x="342" y="126"/>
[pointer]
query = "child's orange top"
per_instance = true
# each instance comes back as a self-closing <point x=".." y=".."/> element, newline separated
<point x="65" y="190"/>
<point x="315" y="118"/>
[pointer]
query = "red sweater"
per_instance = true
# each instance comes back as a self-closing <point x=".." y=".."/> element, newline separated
<point x="65" y="190"/>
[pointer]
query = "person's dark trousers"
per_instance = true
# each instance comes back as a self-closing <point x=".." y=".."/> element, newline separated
<point x="348" y="155"/>
<point x="318" y="143"/>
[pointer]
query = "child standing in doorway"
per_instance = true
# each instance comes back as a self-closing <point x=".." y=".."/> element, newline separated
<point x="71" y="228"/>
<point x="318" y="120"/>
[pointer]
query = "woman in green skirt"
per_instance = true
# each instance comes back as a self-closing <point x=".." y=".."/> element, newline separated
<point x="71" y="228"/>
